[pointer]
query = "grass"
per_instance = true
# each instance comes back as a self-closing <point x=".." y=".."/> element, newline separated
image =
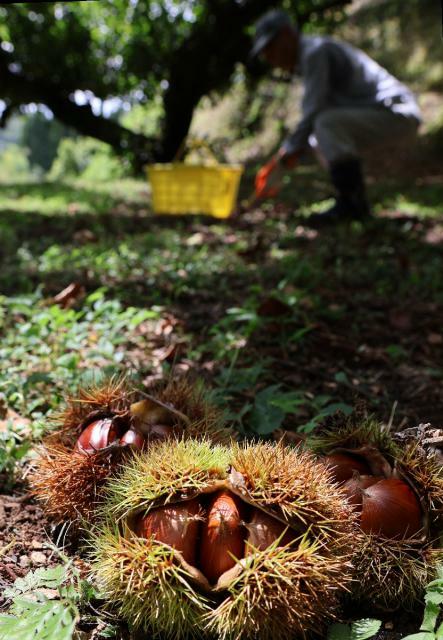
<point x="48" y="349"/>
<point x="212" y="277"/>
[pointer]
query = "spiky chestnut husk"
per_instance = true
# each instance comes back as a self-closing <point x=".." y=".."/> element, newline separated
<point x="109" y="398"/>
<point x="69" y="481"/>
<point x="393" y="573"/>
<point x="69" y="484"/>
<point x="189" y="401"/>
<point x="359" y="443"/>
<point x="281" y="592"/>
<point x="391" y="455"/>
<point x="265" y="475"/>
<point x="194" y="400"/>
<point x="425" y="470"/>
<point x="268" y="592"/>
<point x="354" y="432"/>
<point x="390" y="572"/>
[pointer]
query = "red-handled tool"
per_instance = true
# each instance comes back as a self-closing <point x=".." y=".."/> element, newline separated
<point x="269" y="179"/>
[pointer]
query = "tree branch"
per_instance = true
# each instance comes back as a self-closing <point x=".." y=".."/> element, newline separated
<point x="21" y="89"/>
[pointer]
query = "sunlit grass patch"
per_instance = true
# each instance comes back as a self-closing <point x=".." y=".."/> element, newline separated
<point x="46" y="350"/>
<point x="70" y="196"/>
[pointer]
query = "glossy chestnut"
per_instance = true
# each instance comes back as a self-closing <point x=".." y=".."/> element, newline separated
<point x="97" y="435"/>
<point x="223" y="534"/>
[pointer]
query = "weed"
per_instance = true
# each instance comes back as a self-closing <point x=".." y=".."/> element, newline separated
<point x="431" y="627"/>
<point x="358" y="630"/>
<point x="47" y="603"/>
<point x="13" y="450"/>
<point x="46" y="349"/>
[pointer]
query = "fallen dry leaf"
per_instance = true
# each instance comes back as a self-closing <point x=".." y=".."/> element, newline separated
<point x="170" y="353"/>
<point x="11" y="418"/>
<point x="84" y="236"/>
<point x="195" y="240"/>
<point x="69" y="295"/>
<point x="166" y="325"/>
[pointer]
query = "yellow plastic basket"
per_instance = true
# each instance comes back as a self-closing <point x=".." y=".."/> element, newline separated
<point x="181" y="188"/>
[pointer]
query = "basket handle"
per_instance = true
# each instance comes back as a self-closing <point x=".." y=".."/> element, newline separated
<point x="190" y="145"/>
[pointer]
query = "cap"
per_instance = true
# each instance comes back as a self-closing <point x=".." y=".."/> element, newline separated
<point x="267" y="27"/>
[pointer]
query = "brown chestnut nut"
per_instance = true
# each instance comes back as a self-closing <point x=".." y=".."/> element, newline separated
<point x="97" y="435"/>
<point x="343" y="466"/>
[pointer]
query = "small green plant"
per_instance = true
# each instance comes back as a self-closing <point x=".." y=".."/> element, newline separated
<point x="15" y="164"/>
<point x="321" y="406"/>
<point x="43" y="606"/>
<point x="46" y="605"/>
<point x="265" y="410"/>
<point x="15" y="443"/>
<point x="232" y="332"/>
<point x="82" y="156"/>
<point x="358" y="630"/>
<point x="431" y="627"/>
<point x="46" y="348"/>
<point x="271" y="406"/>
<point x="12" y="451"/>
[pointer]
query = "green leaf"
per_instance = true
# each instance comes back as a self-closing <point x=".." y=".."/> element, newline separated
<point x="422" y="636"/>
<point x="439" y="579"/>
<point x="336" y="406"/>
<point x="298" y="335"/>
<point x="265" y="416"/>
<point x="430" y="616"/>
<point x="99" y="294"/>
<point x="108" y="632"/>
<point x="40" y="578"/>
<point x="339" y="631"/>
<point x="47" y="620"/>
<point x="365" y="628"/>
<point x="359" y="630"/>
<point x="288" y="402"/>
<point x="68" y="360"/>
<point x="141" y="316"/>
<point x="434" y="597"/>
<point x="36" y="377"/>
<point x="88" y="592"/>
<point x="19" y="452"/>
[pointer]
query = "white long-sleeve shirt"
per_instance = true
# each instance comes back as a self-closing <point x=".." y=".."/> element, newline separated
<point x="336" y="74"/>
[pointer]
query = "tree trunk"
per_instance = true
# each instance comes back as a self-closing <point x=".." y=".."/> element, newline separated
<point x="205" y="63"/>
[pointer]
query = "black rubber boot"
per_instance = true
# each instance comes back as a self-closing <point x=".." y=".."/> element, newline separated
<point x="350" y="203"/>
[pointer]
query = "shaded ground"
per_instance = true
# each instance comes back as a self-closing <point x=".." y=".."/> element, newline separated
<point x="24" y="541"/>
<point x="359" y="313"/>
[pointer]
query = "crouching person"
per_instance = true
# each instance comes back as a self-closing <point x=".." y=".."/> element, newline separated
<point x="350" y="104"/>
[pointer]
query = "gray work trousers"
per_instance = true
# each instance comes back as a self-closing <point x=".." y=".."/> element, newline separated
<point x="343" y="132"/>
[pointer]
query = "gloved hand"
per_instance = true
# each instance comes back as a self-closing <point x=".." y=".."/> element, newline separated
<point x="269" y="178"/>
